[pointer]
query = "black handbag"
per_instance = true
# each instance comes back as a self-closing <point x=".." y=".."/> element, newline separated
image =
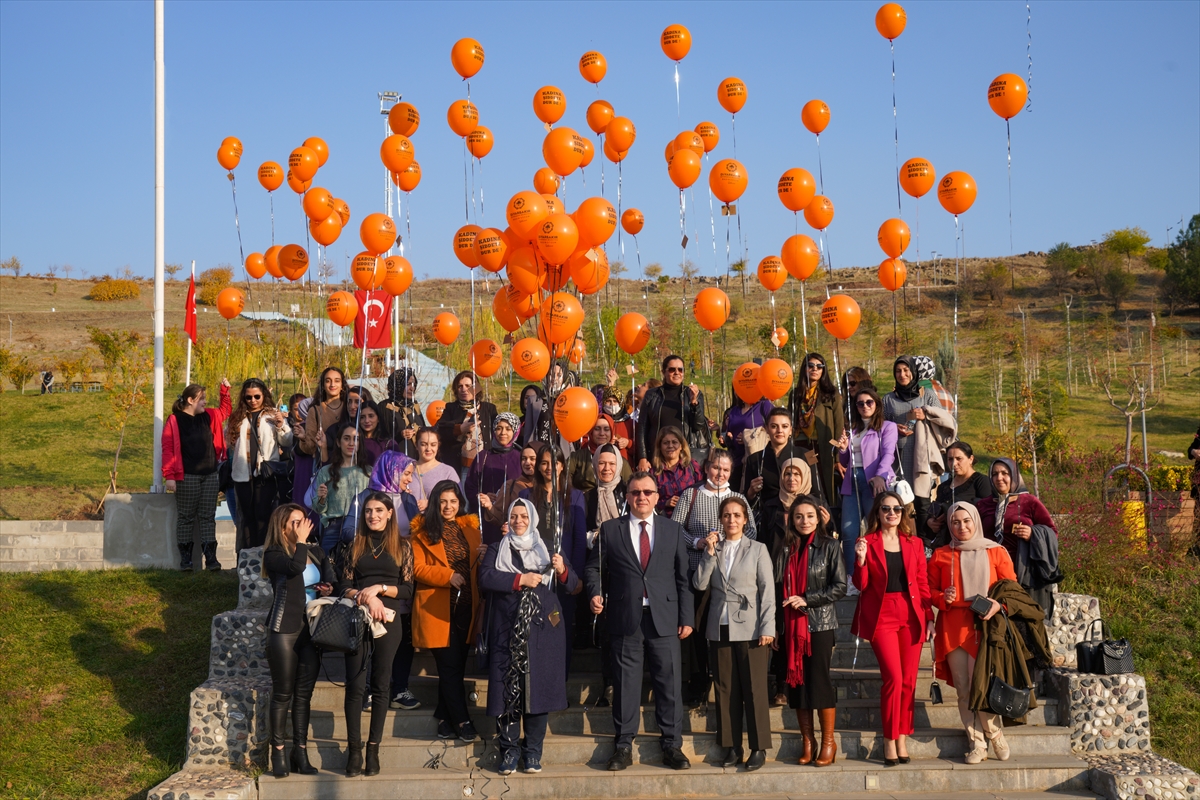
<point x="1003" y="699"/>
<point x="339" y="628"/>
<point x="1104" y="657"/>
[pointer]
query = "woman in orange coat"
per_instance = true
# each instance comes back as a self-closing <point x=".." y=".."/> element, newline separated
<point x="970" y="565"/>
<point x="446" y="552"/>
<point x="892" y="612"/>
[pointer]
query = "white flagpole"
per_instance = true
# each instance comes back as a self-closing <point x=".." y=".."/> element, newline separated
<point x="188" y="378"/>
<point x="160" y="172"/>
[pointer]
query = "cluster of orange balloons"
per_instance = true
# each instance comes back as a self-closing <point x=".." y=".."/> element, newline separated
<point x="772" y="380"/>
<point x="893" y="238"/>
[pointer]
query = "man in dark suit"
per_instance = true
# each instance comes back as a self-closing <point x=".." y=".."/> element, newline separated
<point x="640" y="563"/>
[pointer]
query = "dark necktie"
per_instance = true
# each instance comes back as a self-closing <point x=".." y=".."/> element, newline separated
<point x="644" y="550"/>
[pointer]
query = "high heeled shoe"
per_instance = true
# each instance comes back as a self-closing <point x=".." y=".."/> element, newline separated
<point x="354" y="759"/>
<point x="279" y="766"/>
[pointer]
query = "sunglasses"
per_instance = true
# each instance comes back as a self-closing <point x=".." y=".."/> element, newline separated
<point x="253" y="396"/>
<point x="642" y="492"/>
<point x="674" y="369"/>
<point x="891" y="509"/>
<point x="865" y="404"/>
<point x="814" y="365"/>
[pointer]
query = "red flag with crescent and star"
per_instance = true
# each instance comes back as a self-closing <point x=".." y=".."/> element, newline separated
<point x="375" y="316"/>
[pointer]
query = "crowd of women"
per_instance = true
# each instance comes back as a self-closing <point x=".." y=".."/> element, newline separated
<point x="486" y="533"/>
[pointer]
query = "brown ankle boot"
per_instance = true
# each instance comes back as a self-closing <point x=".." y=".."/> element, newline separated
<point x="808" y="741"/>
<point x="828" y="746"/>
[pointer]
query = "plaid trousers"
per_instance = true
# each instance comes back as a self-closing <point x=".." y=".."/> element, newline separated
<point x="196" y="508"/>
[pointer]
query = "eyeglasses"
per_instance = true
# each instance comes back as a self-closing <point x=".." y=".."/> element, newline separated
<point x="891" y="509"/>
<point x="865" y="404"/>
<point x="815" y="365"/>
<point x="253" y="396"/>
<point x="673" y="369"/>
<point x="641" y="492"/>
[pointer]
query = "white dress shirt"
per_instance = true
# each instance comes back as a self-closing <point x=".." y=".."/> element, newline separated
<point x="728" y="552"/>
<point x="635" y="535"/>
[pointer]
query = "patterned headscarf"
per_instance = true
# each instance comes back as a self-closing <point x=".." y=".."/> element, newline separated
<point x="388" y="468"/>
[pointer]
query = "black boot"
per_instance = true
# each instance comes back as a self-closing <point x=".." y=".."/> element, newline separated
<point x="354" y="759"/>
<point x="372" y="759"/>
<point x="279" y="767"/>
<point x="185" y="557"/>
<point x="210" y="556"/>
<point x="300" y="762"/>
<point x="300" y="713"/>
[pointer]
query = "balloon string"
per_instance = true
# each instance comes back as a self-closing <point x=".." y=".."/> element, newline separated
<point x="600" y="328"/>
<point x="1008" y="132"/>
<point x="957" y="242"/>
<point x="803" y="317"/>
<point x="637" y="250"/>
<point x="466" y="204"/>
<point x="895" y="125"/>
<point x="238" y="225"/>
<point x="1029" y="53"/>
<point x="602" y="160"/>
<point x="482" y="213"/>
<point x="474" y="211"/>
<point x="677" y="112"/>
<point x="820" y="168"/>
<point x="733" y="129"/>
<point x="271" y="195"/>
<point x="712" y="222"/>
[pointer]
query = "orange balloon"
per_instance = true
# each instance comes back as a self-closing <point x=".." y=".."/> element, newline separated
<point x="434" y="411"/>
<point x="589" y="151"/>
<point x="491" y="249"/>
<point x="318" y="203"/>
<point x="553" y="205"/>
<point x="599" y="114"/>
<point x="731" y="94"/>
<point x="560" y="318"/>
<point x="557" y="237"/>
<point x="727" y="179"/>
<point x="575" y="412"/>
<point x="577" y="352"/>
<point x="683" y="167"/>
<point x="597" y="221"/>
<point x="446" y="327"/>
<point x="956" y="192"/>
<point x="771" y="273"/>
<point x="745" y="383"/>
<point x="676" y="41"/>
<point x="230" y="302"/>
<point x="293" y="261"/>
<point x="892" y="274"/>
<point x="632" y="221"/>
<point x="890" y="20"/>
<point x="341" y="308"/>
<point x="710" y="134"/>
<point x="780" y="337"/>
<point x="1006" y="95"/>
<point x="590" y="274"/>
<point x="917" y="177"/>
<point x="408" y="180"/>
<point x="466" y="56"/>
<point x="296" y="185"/>
<point x="397" y="276"/>
<point x="530" y="359"/>
<point x="525" y="211"/>
<point x="549" y="104"/>
<point x="464" y="245"/>
<point x="525" y="271"/>
<point x="524" y="304"/>
<point x="479" y="141"/>
<point x="819" y="213"/>
<point x="318" y="146"/>
<point x="270" y="175"/>
<point x="462" y="117"/>
<point x="592" y="66"/>
<point x="327" y="231"/>
<point x="378" y="233"/>
<point x="669" y="151"/>
<point x="632" y="332"/>
<point x="545" y="181"/>
<point x="711" y="308"/>
<point x="800" y="256"/>
<point x="368" y="271"/>
<point x="796" y="189"/>
<point x="256" y="265"/>
<point x="893" y="237"/>
<point x="404" y="119"/>
<point x="563" y="150"/>
<point x="615" y="156"/>
<point x="692" y="141"/>
<point x="303" y="163"/>
<point x="396" y="152"/>
<point x="234" y="142"/>
<point x="503" y="311"/>
<point x="485" y="358"/>
<point x="229" y="155"/>
<point x="555" y="277"/>
<point x="620" y="133"/>
<point x="815" y="116"/>
<point x="343" y="210"/>
<point x="271" y="260"/>
<point x="840" y="315"/>
<point x="774" y="378"/>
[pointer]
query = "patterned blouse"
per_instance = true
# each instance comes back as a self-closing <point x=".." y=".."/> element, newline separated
<point x="456" y="549"/>
<point x="699" y="511"/>
<point x="672" y="482"/>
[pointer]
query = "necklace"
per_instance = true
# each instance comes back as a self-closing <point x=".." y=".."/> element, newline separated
<point x="377" y="551"/>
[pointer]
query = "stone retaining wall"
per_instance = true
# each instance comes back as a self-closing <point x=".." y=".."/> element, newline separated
<point x="44" y="545"/>
<point x="1106" y="713"/>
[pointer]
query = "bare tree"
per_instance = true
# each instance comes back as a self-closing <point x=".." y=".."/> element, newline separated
<point x="67" y="269"/>
<point x="171" y="270"/>
<point x="13" y="265"/>
<point x="1135" y="405"/>
<point x="52" y="270"/>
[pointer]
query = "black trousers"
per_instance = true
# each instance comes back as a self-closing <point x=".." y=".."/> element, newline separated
<point x="662" y="653"/>
<point x="402" y="664"/>
<point x="383" y="651"/>
<point x="256" y="499"/>
<point x="535" y="734"/>
<point x="451" y="664"/>
<point x="818" y="690"/>
<point x="693" y="651"/>
<point x="740" y="678"/>
<point x="294" y="665"/>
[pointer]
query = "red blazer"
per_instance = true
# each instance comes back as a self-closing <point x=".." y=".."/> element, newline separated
<point x="172" y="454"/>
<point x="871" y="580"/>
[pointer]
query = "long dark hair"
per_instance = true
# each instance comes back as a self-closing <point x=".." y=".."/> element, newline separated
<point x="434" y="524"/>
<point x="825" y="387"/>
<point x="368" y="404"/>
<point x="320" y="396"/>
<point x="875" y="423"/>
<point x="181" y="402"/>
<point x="240" y="412"/>
<point x="394" y="544"/>
<point x="556" y="457"/>
<point x="337" y="460"/>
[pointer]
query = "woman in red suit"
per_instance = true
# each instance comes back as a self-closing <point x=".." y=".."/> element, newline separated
<point x="893" y="610"/>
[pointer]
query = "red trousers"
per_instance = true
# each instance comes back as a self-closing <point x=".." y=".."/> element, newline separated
<point x="897" y="645"/>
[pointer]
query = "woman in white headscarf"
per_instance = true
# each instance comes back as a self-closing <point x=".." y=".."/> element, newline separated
<point x="969" y="566"/>
<point x="527" y="643"/>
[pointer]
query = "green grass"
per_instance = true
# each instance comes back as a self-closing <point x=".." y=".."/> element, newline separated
<point x="98" y="668"/>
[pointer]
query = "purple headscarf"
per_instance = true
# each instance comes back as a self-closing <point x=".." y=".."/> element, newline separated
<point x="388" y="468"/>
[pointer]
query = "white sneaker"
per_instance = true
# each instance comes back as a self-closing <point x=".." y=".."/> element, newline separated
<point x="1000" y="747"/>
<point x="977" y="756"/>
<point x="852" y="591"/>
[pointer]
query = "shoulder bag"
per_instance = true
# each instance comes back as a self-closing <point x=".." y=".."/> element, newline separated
<point x="339" y="627"/>
<point x="1003" y="699"/>
<point x="1105" y="657"/>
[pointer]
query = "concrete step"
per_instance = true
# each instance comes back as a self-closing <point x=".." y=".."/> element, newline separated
<point x="932" y="777"/>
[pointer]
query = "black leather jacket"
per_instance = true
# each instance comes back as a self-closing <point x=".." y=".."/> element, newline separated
<point x="695" y="425"/>
<point x="826" y="583"/>
<point x="287" y="579"/>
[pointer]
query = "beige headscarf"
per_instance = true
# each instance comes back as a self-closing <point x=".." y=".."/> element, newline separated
<point x="972" y="554"/>
<point x="805" y="480"/>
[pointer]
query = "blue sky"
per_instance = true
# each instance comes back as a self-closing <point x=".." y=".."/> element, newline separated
<point x="1113" y="139"/>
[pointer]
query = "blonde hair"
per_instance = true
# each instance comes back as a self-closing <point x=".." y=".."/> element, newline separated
<point x="685" y="452"/>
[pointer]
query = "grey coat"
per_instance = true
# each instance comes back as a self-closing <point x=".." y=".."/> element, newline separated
<point x="749" y="592"/>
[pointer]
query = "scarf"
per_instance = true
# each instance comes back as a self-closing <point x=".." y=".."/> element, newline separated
<point x="532" y="551"/>
<point x="805" y="481"/>
<point x="612" y="432"/>
<point x="388" y="468"/>
<point x="806" y="423"/>
<point x="397" y="383"/>
<point x="973" y="560"/>
<point x="606" y="501"/>
<point x="514" y="423"/>
<point x="252" y="453"/>
<point x="1016" y="488"/>
<point x="913" y="390"/>
<point x="795" y="620"/>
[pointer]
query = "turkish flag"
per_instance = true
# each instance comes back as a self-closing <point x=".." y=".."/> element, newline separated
<point x="189" y="322"/>
<point x="375" y="316"/>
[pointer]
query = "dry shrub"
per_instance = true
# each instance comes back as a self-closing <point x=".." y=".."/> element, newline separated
<point x="111" y="289"/>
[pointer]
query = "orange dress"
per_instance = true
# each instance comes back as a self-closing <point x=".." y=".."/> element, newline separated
<point x="955" y="625"/>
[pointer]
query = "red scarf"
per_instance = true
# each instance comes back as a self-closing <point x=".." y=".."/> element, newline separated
<point x="795" y="620"/>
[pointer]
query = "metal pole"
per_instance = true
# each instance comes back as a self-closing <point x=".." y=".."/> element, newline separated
<point x="160" y="171"/>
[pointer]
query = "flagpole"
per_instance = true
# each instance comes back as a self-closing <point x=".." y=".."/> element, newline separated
<point x="160" y="171"/>
<point x="188" y="377"/>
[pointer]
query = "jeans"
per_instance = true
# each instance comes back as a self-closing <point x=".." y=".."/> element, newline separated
<point x="854" y="508"/>
<point x="535" y="734"/>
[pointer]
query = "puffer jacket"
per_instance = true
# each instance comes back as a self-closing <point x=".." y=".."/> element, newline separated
<point x="826" y="583"/>
<point x="287" y="579"/>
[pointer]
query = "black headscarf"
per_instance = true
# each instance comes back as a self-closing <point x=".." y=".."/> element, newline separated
<point x="397" y="383"/>
<point x="913" y="390"/>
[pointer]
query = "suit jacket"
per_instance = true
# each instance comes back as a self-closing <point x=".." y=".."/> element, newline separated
<point x="872" y="578"/>
<point x="613" y="568"/>
<point x="748" y="592"/>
